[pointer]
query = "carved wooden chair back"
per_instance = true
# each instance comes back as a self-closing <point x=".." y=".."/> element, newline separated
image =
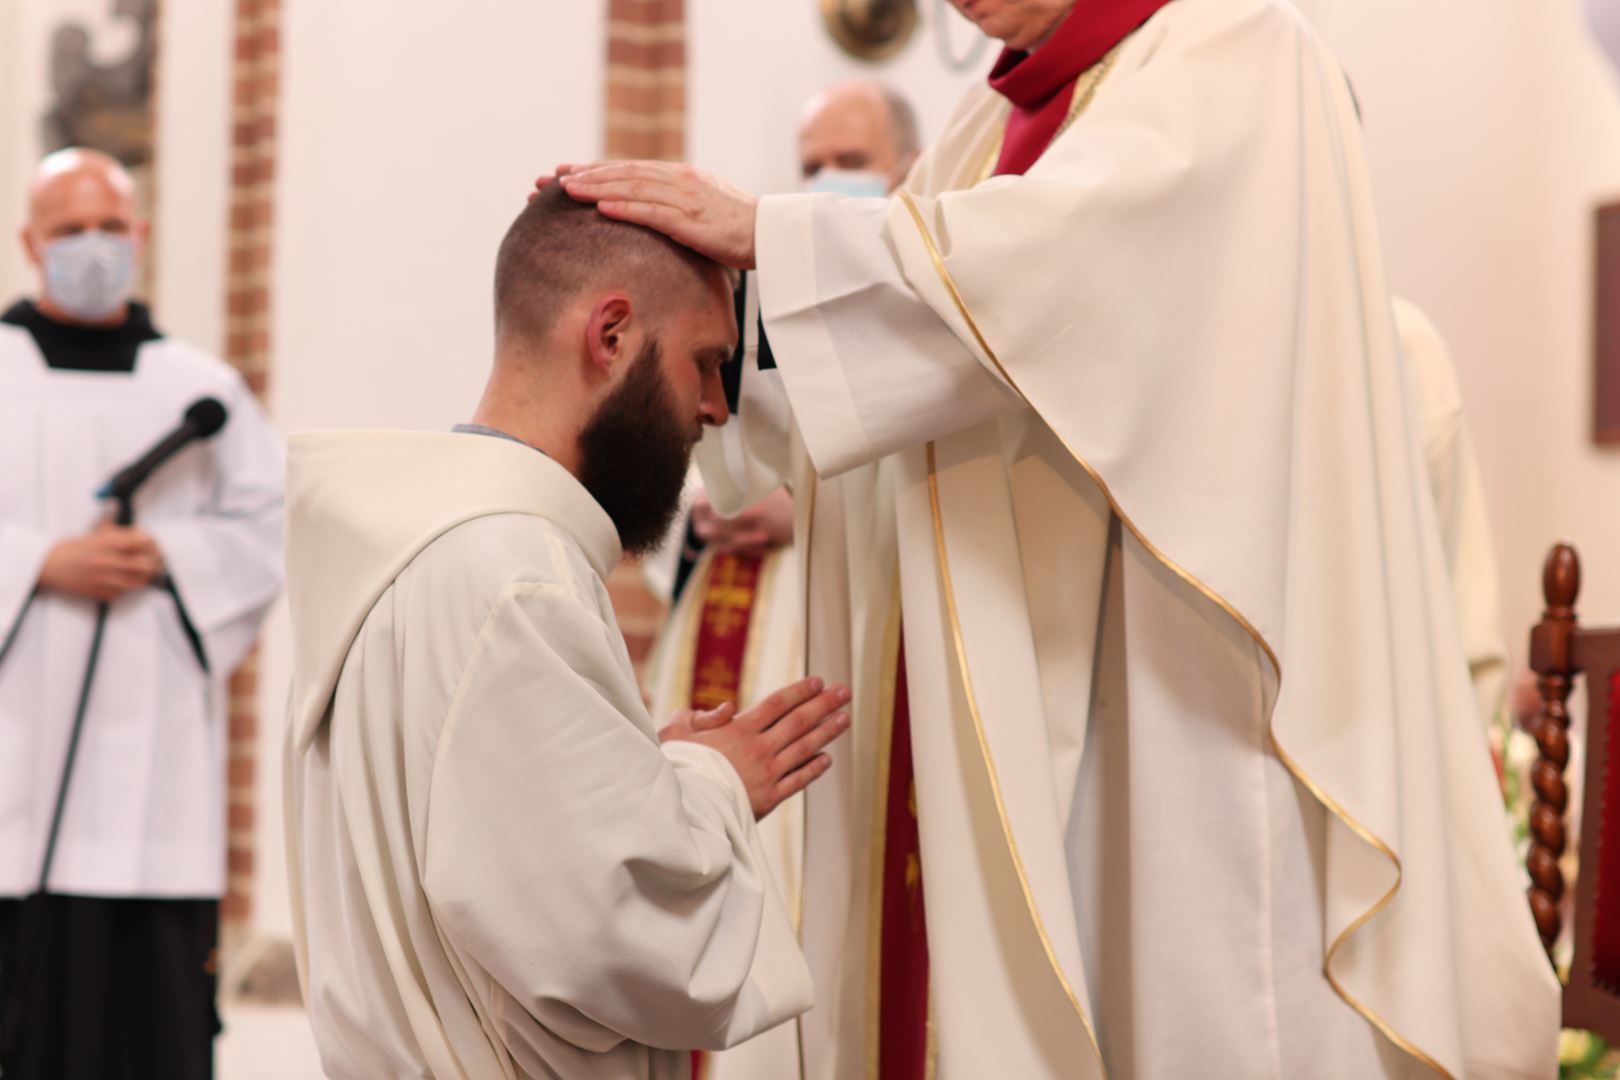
<point x="1560" y="651"/>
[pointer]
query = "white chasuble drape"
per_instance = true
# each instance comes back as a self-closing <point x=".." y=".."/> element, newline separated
<point x="1201" y="782"/>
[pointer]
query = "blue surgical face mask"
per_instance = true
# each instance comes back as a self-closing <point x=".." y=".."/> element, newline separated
<point x="89" y="275"/>
<point x="859" y="183"/>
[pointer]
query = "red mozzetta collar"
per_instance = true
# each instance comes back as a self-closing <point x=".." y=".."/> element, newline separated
<point x="1040" y="84"/>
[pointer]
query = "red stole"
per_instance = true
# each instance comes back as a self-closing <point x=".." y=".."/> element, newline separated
<point x="903" y="971"/>
<point x="1040" y="84"/>
<point x="726" y="612"/>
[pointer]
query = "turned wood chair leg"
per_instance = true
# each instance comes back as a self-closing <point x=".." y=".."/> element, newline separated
<point x="1552" y="658"/>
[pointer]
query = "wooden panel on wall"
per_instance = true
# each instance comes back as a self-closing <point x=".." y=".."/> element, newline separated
<point x="1606" y="371"/>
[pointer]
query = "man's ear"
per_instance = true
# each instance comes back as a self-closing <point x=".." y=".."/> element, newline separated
<point x="607" y="331"/>
<point x="30" y="249"/>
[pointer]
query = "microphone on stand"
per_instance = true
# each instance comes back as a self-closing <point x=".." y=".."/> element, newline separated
<point x="203" y="419"/>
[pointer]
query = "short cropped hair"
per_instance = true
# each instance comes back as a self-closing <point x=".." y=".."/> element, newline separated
<point x="558" y="248"/>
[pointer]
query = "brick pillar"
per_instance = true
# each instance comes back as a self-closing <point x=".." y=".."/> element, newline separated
<point x="646" y="118"/>
<point x="646" y="79"/>
<point x="256" y="79"/>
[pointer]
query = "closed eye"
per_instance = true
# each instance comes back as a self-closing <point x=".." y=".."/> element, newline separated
<point x="710" y="360"/>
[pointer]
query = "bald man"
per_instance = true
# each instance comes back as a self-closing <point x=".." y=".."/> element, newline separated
<point x="111" y="870"/>
<point x="735" y="630"/>
<point x="858" y="138"/>
<point x="501" y="866"/>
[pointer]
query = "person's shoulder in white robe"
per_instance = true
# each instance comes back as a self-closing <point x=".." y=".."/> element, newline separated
<point x="496" y="866"/>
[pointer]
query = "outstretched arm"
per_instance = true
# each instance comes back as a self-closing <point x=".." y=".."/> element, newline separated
<point x="871" y="362"/>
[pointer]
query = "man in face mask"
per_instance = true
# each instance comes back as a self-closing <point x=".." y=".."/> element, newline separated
<point x="857" y="138"/>
<point x="111" y="871"/>
<point x="736" y="627"/>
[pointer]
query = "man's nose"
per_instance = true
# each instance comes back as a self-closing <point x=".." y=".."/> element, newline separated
<point x="712" y="412"/>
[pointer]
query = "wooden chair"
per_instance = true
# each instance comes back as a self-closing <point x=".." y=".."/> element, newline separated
<point x="1561" y="649"/>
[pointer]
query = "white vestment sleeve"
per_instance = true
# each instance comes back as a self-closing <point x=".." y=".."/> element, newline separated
<point x="615" y="891"/>
<point x="22" y="556"/>
<point x="870" y="367"/>
<point x="226" y="562"/>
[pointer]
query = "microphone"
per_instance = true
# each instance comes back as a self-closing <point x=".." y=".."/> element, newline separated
<point x="203" y="419"/>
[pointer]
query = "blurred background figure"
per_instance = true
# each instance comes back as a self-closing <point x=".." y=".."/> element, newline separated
<point x="734" y="631"/>
<point x="111" y="870"/>
<point x="1459" y="503"/>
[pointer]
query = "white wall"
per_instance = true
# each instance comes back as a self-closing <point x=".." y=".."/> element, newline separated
<point x="410" y="134"/>
<point x="194" y="163"/>
<point x="1492" y="131"/>
<point x="11" y="195"/>
<point x="1581" y="169"/>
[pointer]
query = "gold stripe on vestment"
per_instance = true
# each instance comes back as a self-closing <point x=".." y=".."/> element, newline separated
<point x="960" y="647"/>
<point x="1333" y="806"/>
<point x="887" y="693"/>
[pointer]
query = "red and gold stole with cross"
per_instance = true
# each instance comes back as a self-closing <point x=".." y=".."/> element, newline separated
<point x="725" y="615"/>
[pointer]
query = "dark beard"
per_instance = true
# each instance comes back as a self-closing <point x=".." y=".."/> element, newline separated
<point x="634" y="453"/>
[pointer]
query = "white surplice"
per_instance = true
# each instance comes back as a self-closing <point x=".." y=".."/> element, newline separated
<point x="145" y="815"/>
<point x="1459" y="503"/>
<point x="1201" y="786"/>
<point x="496" y="869"/>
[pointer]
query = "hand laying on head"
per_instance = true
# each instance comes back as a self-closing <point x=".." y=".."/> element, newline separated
<point x="765" y="526"/>
<point x="102" y="565"/>
<point x="776" y="746"/>
<point x="688" y="205"/>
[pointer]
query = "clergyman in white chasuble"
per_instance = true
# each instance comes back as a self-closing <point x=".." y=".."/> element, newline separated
<point x="1201" y="785"/>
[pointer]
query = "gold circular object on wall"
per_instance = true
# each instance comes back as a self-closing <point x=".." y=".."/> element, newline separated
<point x="870" y="29"/>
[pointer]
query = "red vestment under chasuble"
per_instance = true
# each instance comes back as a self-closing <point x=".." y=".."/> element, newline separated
<point x="1041" y="86"/>
<point x="729" y="590"/>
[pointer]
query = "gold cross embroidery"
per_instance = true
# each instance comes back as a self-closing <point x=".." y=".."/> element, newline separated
<point x="729" y="598"/>
<point x="716" y="684"/>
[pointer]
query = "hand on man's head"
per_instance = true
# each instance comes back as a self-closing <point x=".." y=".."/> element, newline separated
<point x="691" y="207"/>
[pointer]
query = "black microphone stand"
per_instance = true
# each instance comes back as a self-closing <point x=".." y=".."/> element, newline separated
<point x="35" y="916"/>
<point x="124" y="516"/>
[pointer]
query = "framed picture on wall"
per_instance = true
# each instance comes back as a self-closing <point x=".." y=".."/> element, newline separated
<point x="1606" y="336"/>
